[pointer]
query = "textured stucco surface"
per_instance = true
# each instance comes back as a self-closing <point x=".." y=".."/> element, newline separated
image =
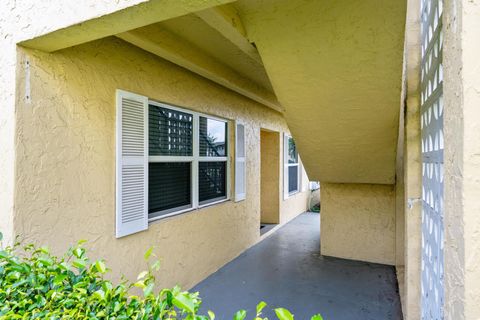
<point x="177" y="48"/>
<point x="471" y="144"/>
<point x="412" y="170"/>
<point x="65" y="160"/>
<point x="462" y="159"/>
<point x="336" y="68"/>
<point x="21" y="20"/>
<point x="7" y="120"/>
<point x="296" y="202"/>
<point x="358" y="222"/>
<point x="91" y="20"/>
<point x="270" y="176"/>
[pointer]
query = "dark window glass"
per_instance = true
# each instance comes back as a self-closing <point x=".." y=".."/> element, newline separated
<point x="212" y="138"/>
<point x="292" y="151"/>
<point x="292" y="179"/>
<point x="170" y="132"/>
<point x="169" y="187"/>
<point x="211" y="181"/>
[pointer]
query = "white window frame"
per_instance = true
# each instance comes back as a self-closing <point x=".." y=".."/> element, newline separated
<point x="195" y="159"/>
<point x="286" y="166"/>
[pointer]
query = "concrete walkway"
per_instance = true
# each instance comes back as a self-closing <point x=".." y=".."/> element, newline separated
<point x="286" y="270"/>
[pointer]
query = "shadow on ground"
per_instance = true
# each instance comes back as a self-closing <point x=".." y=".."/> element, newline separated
<point x="286" y="270"/>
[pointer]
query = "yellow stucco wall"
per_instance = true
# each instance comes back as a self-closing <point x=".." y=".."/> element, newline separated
<point x="21" y="20"/>
<point x="471" y="157"/>
<point x="358" y="222"/>
<point x="296" y="202"/>
<point x="461" y="90"/>
<point x="7" y="129"/>
<point x="65" y="160"/>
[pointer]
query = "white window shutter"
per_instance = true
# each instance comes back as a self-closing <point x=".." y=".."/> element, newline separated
<point x="240" y="164"/>
<point x="131" y="163"/>
<point x="285" y="166"/>
<point x="301" y="177"/>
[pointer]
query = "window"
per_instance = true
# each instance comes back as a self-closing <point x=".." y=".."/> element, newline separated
<point x="291" y="167"/>
<point x="170" y="141"/>
<point x="212" y="167"/>
<point x="188" y="161"/>
<point x="168" y="161"/>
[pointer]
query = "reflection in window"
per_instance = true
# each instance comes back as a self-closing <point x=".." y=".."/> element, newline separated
<point x="170" y="132"/>
<point x="212" y="181"/>
<point x="292" y="151"/>
<point x="169" y="187"/>
<point x="212" y="138"/>
<point x="292" y="179"/>
<point x="293" y="173"/>
<point x="173" y="160"/>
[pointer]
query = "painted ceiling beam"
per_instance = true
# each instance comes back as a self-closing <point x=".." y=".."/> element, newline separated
<point x="169" y="46"/>
<point x="225" y="20"/>
<point x="132" y="17"/>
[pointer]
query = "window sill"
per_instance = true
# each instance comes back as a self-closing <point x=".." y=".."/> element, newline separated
<point x="212" y="203"/>
<point x="169" y="215"/>
<point x="185" y="211"/>
<point x="293" y="193"/>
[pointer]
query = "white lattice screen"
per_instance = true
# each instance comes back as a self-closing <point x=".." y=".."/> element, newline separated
<point x="432" y="160"/>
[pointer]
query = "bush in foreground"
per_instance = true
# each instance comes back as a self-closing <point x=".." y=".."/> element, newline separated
<point x="34" y="284"/>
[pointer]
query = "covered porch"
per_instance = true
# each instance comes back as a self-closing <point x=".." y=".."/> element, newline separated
<point x="341" y="78"/>
<point x="286" y="269"/>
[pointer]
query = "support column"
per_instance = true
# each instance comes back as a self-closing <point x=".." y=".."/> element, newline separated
<point x="358" y="222"/>
<point x="412" y="167"/>
<point x="462" y="159"/>
<point x="7" y="124"/>
<point x="413" y="210"/>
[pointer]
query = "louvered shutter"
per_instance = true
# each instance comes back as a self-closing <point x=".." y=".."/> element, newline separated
<point x="131" y="163"/>
<point x="285" y="166"/>
<point x="240" y="165"/>
<point x="301" y="177"/>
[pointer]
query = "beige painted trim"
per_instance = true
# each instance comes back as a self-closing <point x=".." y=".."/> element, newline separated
<point x="119" y="21"/>
<point x="227" y="22"/>
<point x="412" y="167"/>
<point x="174" y="49"/>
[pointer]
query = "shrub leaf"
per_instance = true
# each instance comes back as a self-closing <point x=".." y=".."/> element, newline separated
<point x="283" y="314"/>
<point x="240" y="315"/>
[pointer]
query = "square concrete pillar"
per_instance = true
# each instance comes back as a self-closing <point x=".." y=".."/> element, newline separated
<point x="7" y="135"/>
<point x="358" y="222"/>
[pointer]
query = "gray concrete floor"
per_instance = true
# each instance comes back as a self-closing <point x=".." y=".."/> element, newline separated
<point x="287" y="270"/>
<point x="265" y="227"/>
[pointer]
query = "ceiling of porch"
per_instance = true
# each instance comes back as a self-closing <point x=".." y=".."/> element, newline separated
<point x="333" y="68"/>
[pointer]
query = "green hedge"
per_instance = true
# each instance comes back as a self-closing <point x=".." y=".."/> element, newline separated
<point x="35" y="284"/>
